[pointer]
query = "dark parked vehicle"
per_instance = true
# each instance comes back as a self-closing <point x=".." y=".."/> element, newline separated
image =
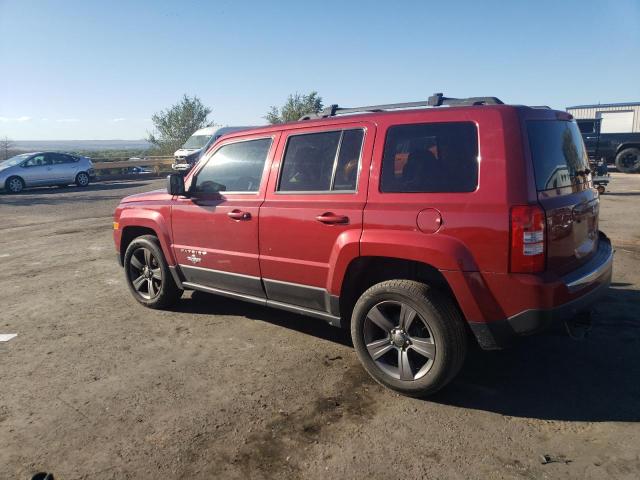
<point x="414" y="228"/>
<point x="198" y="144"/>
<point x="140" y="171"/>
<point x="623" y="149"/>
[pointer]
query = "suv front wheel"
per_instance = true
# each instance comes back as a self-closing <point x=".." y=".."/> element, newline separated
<point x="14" y="185"/>
<point x="408" y="336"/>
<point x="148" y="275"/>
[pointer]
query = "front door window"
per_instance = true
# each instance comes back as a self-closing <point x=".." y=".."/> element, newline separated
<point x="236" y="167"/>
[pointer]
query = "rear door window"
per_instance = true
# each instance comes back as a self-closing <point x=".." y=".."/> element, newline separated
<point x="430" y="157"/>
<point x="322" y="162"/>
<point x="348" y="163"/>
<point x="59" y="158"/>
<point x="558" y="153"/>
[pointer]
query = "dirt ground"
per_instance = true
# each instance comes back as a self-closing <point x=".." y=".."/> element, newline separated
<point x="97" y="387"/>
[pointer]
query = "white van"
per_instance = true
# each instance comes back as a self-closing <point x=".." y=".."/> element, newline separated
<point x="189" y="154"/>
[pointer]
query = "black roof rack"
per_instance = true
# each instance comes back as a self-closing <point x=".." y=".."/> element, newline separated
<point x="435" y="100"/>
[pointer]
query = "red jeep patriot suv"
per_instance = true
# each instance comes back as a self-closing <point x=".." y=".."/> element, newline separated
<point x="410" y="224"/>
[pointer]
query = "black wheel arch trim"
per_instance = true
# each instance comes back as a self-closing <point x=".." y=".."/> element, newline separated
<point x="625" y="146"/>
<point x="177" y="277"/>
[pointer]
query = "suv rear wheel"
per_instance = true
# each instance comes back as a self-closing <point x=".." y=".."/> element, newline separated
<point x="409" y="337"/>
<point x="628" y="160"/>
<point x="148" y="275"/>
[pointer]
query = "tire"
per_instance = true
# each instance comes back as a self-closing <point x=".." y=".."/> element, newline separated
<point x="435" y="328"/>
<point x="14" y="185"/>
<point x="628" y="160"/>
<point x="82" y="179"/>
<point x="148" y="275"/>
<point x="601" y="189"/>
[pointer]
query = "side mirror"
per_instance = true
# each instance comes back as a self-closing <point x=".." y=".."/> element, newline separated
<point x="175" y="184"/>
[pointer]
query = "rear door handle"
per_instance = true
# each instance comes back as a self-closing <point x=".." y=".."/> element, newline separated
<point x="239" y="215"/>
<point x="331" y="218"/>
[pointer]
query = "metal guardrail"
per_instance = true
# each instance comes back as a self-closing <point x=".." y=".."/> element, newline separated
<point x="105" y="164"/>
<point x="107" y="169"/>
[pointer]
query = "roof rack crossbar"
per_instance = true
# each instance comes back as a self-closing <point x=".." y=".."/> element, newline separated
<point x="436" y="100"/>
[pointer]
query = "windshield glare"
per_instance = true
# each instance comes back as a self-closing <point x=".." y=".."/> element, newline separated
<point x="196" y="141"/>
<point x="13" y="161"/>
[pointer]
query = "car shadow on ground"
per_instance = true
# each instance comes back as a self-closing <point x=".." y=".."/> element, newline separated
<point x="548" y="376"/>
<point x="621" y="194"/>
<point x="553" y="377"/>
<point x="208" y="304"/>
<point x="71" y="194"/>
<point x="92" y="187"/>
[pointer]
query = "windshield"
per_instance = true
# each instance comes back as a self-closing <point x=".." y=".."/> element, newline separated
<point x="196" y="141"/>
<point x="558" y="153"/>
<point x="13" y="161"/>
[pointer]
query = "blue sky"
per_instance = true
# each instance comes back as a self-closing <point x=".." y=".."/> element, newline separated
<point x="100" y="69"/>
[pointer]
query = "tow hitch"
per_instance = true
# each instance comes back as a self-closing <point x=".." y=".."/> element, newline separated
<point x="579" y="326"/>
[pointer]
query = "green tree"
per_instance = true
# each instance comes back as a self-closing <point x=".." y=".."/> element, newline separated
<point x="176" y="124"/>
<point x="296" y="106"/>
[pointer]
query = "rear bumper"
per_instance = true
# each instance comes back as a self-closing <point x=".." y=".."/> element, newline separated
<point x="584" y="286"/>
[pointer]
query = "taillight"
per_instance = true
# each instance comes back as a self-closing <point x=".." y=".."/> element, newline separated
<point x="527" y="239"/>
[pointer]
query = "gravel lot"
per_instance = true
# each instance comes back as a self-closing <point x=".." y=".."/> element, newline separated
<point x="95" y="386"/>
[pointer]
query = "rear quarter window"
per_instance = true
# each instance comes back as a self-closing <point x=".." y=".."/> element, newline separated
<point x="430" y="157"/>
<point x="558" y="153"/>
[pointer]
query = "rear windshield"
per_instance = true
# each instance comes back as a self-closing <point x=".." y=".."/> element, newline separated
<point x="558" y="153"/>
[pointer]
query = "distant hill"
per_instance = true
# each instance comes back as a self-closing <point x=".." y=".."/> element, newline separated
<point x="77" y="145"/>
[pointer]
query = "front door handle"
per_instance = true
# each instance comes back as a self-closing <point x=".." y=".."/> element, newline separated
<point x="239" y="215"/>
<point x="331" y="218"/>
